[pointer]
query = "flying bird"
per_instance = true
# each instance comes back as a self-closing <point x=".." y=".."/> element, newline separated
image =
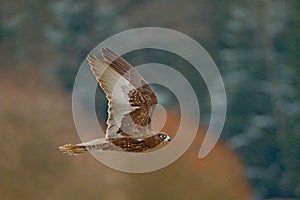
<point x="130" y="104"/>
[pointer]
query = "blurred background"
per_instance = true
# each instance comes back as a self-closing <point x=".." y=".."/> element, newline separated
<point x="255" y="44"/>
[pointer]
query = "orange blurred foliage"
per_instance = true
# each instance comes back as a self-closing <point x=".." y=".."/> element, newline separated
<point x="36" y="118"/>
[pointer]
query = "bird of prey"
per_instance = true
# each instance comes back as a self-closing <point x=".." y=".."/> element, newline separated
<point x="130" y="104"/>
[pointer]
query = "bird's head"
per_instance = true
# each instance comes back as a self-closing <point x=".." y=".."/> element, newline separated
<point x="164" y="137"/>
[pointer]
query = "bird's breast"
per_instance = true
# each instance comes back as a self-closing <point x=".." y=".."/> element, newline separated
<point x="136" y="145"/>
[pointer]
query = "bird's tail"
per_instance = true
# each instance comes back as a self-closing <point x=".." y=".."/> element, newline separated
<point x="73" y="149"/>
<point x="76" y="149"/>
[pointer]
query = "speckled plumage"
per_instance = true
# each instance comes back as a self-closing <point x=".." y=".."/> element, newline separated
<point x="130" y="103"/>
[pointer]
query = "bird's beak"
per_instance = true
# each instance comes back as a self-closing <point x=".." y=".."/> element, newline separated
<point x="168" y="139"/>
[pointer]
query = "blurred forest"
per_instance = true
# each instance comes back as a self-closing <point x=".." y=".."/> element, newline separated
<point x="255" y="44"/>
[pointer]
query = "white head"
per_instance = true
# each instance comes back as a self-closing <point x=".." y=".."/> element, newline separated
<point x="164" y="137"/>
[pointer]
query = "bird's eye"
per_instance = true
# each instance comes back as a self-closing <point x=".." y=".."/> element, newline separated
<point x="163" y="136"/>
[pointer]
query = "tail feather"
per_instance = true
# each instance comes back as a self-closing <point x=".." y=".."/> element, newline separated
<point x="100" y="144"/>
<point x="72" y="149"/>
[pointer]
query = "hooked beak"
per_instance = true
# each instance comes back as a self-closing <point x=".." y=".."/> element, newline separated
<point x="168" y="139"/>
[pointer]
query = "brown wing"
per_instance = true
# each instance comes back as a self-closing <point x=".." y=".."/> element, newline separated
<point x="130" y="74"/>
<point x="130" y="97"/>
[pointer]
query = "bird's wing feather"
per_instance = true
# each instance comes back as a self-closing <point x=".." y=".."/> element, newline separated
<point x="130" y="97"/>
<point x="129" y="73"/>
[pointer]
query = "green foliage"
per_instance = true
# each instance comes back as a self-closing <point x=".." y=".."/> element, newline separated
<point x="260" y="49"/>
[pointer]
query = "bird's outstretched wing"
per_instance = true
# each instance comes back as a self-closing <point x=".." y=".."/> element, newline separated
<point x="130" y="97"/>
